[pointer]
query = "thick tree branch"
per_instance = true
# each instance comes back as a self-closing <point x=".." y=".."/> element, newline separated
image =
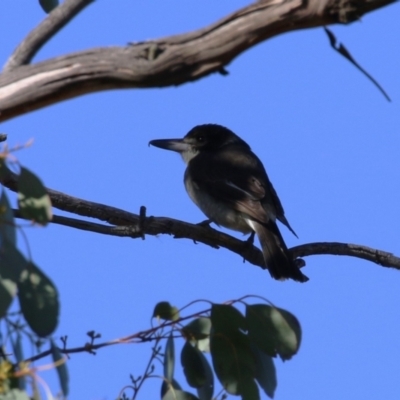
<point x="55" y="21"/>
<point x="169" y="61"/>
<point x="136" y="226"/>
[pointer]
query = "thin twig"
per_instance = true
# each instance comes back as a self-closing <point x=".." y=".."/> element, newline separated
<point x="148" y="335"/>
<point x="55" y="21"/>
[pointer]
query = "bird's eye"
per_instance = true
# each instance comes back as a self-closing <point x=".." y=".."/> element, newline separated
<point x="200" y="138"/>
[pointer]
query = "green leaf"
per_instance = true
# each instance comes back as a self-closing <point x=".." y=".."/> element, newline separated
<point x="62" y="370"/>
<point x="8" y="290"/>
<point x="7" y="224"/>
<point x="164" y="310"/>
<point x="48" y="5"/>
<point x="17" y="347"/>
<point x="265" y="372"/>
<point x="199" y="328"/>
<point x="249" y="390"/>
<point x="289" y="330"/>
<point x="233" y="360"/>
<point x="34" y="202"/>
<point x="173" y="394"/>
<point x="198" y="333"/>
<point x="12" y="263"/>
<point x="19" y="356"/>
<point x="14" y="394"/>
<point x="169" y="358"/>
<point x="207" y="390"/>
<point x="193" y="367"/>
<point x="273" y="330"/>
<point x="4" y="170"/>
<point x="38" y="298"/>
<point x="167" y="385"/>
<point x="226" y="317"/>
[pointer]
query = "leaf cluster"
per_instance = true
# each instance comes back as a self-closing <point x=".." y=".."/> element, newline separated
<point x="241" y="346"/>
<point x="20" y="277"/>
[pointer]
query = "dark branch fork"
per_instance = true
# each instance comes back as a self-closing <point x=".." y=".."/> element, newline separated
<point x="163" y="62"/>
<point x="126" y="224"/>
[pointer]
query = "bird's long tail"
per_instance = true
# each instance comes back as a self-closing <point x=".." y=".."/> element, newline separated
<point x="280" y="264"/>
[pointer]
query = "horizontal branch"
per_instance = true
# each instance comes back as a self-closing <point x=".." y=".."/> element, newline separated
<point x="126" y="224"/>
<point x="169" y="61"/>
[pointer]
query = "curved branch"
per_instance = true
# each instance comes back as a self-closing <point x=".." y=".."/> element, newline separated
<point x="379" y="257"/>
<point x="126" y="224"/>
<point x="55" y="21"/>
<point x="169" y="61"/>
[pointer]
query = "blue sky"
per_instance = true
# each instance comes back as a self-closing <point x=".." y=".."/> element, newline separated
<point x="329" y="141"/>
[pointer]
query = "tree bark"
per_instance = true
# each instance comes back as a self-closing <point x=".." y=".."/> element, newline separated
<point x="126" y="224"/>
<point x="164" y="62"/>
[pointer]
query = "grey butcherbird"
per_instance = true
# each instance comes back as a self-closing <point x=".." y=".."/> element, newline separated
<point x="229" y="184"/>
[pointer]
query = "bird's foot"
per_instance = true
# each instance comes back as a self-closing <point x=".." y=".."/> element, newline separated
<point x="142" y="220"/>
<point x="250" y="239"/>
<point x="249" y="243"/>
<point x="204" y="224"/>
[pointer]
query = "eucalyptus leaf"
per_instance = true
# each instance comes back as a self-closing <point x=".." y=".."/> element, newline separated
<point x="167" y="385"/>
<point x="12" y="263"/>
<point x="8" y="290"/>
<point x="232" y="357"/>
<point x="173" y="394"/>
<point x="164" y="310"/>
<point x="265" y="371"/>
<point x="62" y="369"/>
<point x="169" y="359"/>
<point x="193" y="366"/>
<point x="273" y="330"/>
<point x="14" y="394"/>
<point x="249" y="390"/>
<point x="7" y="224"/>
<point x="38" y="298"/>
<point x="199" y="328"/>
<point x="225" y="317"/>
<point x="206" y="391"/>
<point x="198" y="333"/>
<point x="34" y="202"/>
<point x="16" y="343"/>
<point x="48" y="5"/>
<point x="4" y="170"/>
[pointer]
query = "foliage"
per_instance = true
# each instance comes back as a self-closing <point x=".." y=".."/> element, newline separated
<point x="21" y="277"/>
<point x="241" y="348"/>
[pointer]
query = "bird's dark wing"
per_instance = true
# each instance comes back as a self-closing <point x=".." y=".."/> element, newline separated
<point x="239" y="178"/>
<point x="231" y="177"/>
<point x="238" y="184"/>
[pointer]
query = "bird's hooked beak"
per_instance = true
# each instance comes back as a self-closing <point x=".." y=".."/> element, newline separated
<point x="178" y="145"/>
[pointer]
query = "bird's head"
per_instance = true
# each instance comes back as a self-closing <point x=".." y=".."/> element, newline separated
<point x="209" y="137"/>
